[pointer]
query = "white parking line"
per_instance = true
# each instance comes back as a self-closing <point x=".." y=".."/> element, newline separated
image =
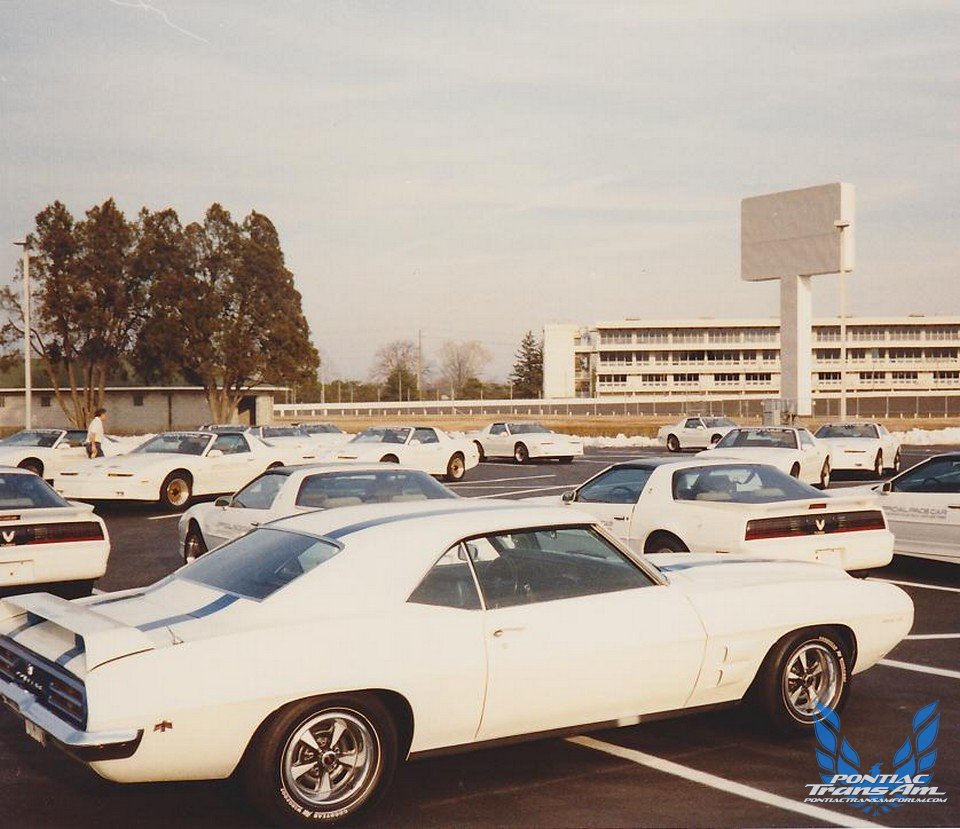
<point x="525" y="491"/>
<point x="161" y="517"/>
<point x="924" y="636"/>
<point x="497" y="480"/>
<point x="920" y="669"/>
<point x="729" y="786"/>
<point x="919" y="584"/>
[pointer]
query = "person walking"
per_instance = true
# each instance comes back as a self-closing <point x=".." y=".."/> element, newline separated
<point x="94" y="442"/>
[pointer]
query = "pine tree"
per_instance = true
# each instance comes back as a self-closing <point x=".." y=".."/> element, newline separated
<point x="527" y="372"/>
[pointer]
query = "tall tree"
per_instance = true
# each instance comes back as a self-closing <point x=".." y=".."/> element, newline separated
<point x="87" y="303"/>
<point x="394" y="366"/>
<point x="527" y="374"/>
<point x="226" y="314"/>
<point x="461" y="362"/>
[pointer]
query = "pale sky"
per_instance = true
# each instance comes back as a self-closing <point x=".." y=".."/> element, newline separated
<point x="475" y="169"/>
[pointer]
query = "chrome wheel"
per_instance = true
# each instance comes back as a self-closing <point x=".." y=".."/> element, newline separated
<point x="897" y="463"/>
<point x="456" y="468"/>
<point x="673" y="444"/>
<point x="520" y="453"/>
<point x="331" y="760"/>
<point x="176" y="492"/>
<point x="825" y="474"/>
<point x="878" y="465"/>
<point x="193" y="546"/>
<point x="812" y="679"/>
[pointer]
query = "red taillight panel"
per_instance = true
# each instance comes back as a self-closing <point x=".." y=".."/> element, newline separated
<point x="824" y="524"/>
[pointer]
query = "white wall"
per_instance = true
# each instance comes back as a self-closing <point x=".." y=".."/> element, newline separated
<point x="558" y="360"/>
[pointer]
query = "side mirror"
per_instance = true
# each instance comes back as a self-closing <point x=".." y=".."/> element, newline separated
<point x="887" y="487"/>
<point x="215" y="453"/>
<point x="569" y="496"/>
<point x="714" y="440"/>
<point x="222" y="501"/>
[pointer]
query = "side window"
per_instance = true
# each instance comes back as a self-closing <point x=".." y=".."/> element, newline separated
<point x="940" y="475"/>
<point x="449" y="583"/>
<point x="498" y="429"/>
<point x="622" y="485"/>
<point x="692" y="423"/>
<point x="259" y="494"/>
<point x="805" y="438"/>
<point x="550" y="564"/>
<point x="231" y="444"/>
<point x="75" y="437"/>
<point x="425" y="436"/>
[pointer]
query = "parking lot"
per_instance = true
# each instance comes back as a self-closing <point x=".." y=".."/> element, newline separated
<point x="717" y="769"/>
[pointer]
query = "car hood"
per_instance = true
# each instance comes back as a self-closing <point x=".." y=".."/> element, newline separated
<point x="711" y="571"/>
<point x="763" y="455"/>
<point x="135" y="463"/>
<point x="364" y="451"/>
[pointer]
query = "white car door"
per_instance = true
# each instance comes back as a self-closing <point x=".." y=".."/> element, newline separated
<point x="236" y="464"/>
<point x="576" y="633"/>
<point x="498" y="441"/>
<point x="68" y="449"/>
<point x="693" y="435"/>
<point x="249" y="508"/>
<point x="923" y="509"/>
<point x="429" y="452"/>
<point x="612" y="497"/>
<point x="811" y="459"/>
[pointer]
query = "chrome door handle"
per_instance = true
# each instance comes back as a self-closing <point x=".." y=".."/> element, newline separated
<point x="620" y="517"/>
<point x="500" y="631"/>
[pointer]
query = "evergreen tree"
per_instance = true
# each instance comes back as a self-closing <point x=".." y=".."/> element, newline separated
<point x="527" y="374"/>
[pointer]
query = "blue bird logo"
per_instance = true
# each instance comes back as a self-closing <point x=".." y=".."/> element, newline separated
<point x="875" y="792"/>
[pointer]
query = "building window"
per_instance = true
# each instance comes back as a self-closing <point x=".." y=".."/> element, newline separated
<point x="904" y="376"/>
<point x="769" y="356"/>
<point x="3" y="401"/>
<point x="727" y="379"/>
<point x="761" y="379"/>
<point x="612" y="381"/>
<point x="653" y="379"/>
<point x="873" y="376"/>
<point x="616" y="337"/>
<point x="938" y="377"/>
<point x="686" y="379"/>
<point x="827" y="355"/>
<point x="138" y="400"/>
<point x="44" y="401"/>
<point x="868" y="333"/>
<point x="828" y="376"/>
<point x="827" y="334"/>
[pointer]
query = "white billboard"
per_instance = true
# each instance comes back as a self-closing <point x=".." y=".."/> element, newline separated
<point x="797" y="232"/>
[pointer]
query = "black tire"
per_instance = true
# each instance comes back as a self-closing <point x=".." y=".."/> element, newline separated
<point x="520" y="453"/>
<point x="566" y="459"/>
<point x="786" y="692"/>
<point x="878" y="465"/>
<point x="193" y="544"/>
<point x="389" y="459"/>
<point x="34" y="465"/>
<point x="664" y="542"/>
<point x="795" y="471"/>
<point x="897" y="462"/>
<point x="673" y="443"/>
<point x="268" y="768"/>
<point x="456" y="467"/>
<point x="176" y="490"/>
<point x="825" y="474"/>
<point x="480" y="451"/>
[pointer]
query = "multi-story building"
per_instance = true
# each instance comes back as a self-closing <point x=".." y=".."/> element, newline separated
<point x="716" y="358"/>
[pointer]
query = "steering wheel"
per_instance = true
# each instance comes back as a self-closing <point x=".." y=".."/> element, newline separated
<point x="622" y="494"/>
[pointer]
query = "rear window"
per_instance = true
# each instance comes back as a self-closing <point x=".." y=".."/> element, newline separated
<point x="20" y="491"/>
<point x="739" y="484"/>
<point x="258" y="564"/>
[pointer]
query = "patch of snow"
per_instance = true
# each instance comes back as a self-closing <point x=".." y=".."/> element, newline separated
<point x="929" y="437"/>
<point x="621" y="441"/>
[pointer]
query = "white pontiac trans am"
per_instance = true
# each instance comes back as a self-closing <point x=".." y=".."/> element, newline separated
<point x="419" y="447"/>
<point x="525" y="440"/>
<point x="288" y="490"/>
<point x="438" y="629"/>
<point x="694" y="432"/>
<point x="47" y="543"/>
<point x="791" y="449"/>
<point x="170" y="468"/>
<point x="706" y="505"/>
<point x="46" y="451"/>
<point x="861" y="446"/>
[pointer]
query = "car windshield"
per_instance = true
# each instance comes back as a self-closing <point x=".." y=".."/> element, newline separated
<point x="23" y="491"/>
<point x="759" y="439"/>
<point x="739" y="484"/>
<point x="345" y="489"/>
<point x="718" y="422"/>
<point x="258" y="564"/>
<point x="282" y="432"/>
<point x="529" y="429"/>
<point x="383" y="434"/>
<point x="225" y="429"/>
<point x="847" y="430"/>
<point x="175" y="443"/>
<point x="321" y="429"/>
<point x="43" y="438"/>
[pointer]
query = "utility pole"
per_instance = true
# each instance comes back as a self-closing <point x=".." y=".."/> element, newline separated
<point x="27" y="376"/>
<point x="841" y="226"/>
<point x="420" y="364"/>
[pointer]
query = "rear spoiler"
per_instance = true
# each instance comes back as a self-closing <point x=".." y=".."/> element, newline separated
<point x="856" y="500"/>
<point x="99" y="638"/>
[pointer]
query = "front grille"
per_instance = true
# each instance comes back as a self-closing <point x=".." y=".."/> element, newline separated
<point x="824" y="524"/>
<point x="55" y="689"/>
<point x="51" y="533"/>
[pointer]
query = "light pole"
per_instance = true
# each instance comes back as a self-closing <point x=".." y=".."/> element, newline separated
<point x="841" y="226"/>
<point x="27" y="378"/>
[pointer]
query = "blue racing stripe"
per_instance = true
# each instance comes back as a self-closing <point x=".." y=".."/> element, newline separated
<point x="75" y="651"/>
<point x="217" y="604"/>
<point x="32" y="619"/>
<point x="391" y="519"/>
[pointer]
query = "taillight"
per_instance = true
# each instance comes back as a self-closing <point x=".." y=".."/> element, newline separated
<point x="804" y="525"/>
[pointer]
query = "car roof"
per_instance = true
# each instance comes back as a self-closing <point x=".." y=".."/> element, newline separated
<point x="6" y="470"/>
<point x="669" y="460"/>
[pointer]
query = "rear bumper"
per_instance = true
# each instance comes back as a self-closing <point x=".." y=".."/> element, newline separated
<point x="863" y="550"/>
<point x="86" y="746"/>
<point x="106" y="489"/>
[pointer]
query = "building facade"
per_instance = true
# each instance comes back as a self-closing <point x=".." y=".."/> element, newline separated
<point x="740" y="358"/>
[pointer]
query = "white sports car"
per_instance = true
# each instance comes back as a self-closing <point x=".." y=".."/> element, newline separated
<point x="694" y="432"/>
<point x="325" y="435"/>
<point x="857" y="446"/>
<point x="791" y="449"/>
<point x="287" y="491"/>
<point x="662" y="505"/>
<point x="47" y="543"/>
<point x="922" y="506"/>
<point x="170" y="468"/>
<point x="479" y="622"/>
<point x="46" y="451"/>
<point x="525" y="440"/>
<point x="419" y="447"/>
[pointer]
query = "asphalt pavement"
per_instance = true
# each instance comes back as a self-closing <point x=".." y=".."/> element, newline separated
<point x="716" y="769"/>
